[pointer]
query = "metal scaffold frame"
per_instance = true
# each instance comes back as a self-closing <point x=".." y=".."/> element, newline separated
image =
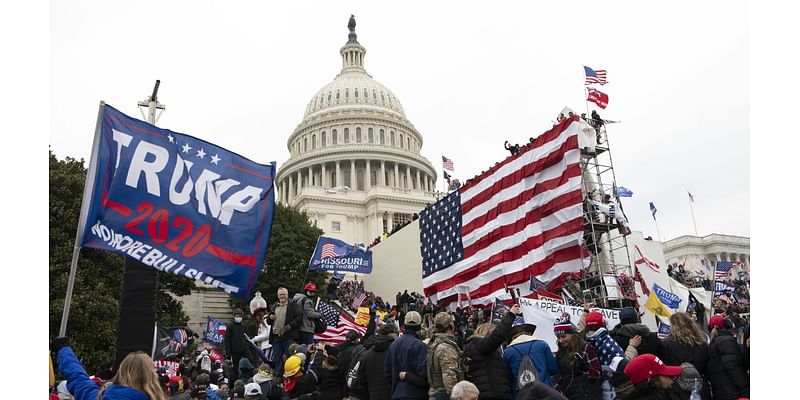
<point x="604" y="236"/>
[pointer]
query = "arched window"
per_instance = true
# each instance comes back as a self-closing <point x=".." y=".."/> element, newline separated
<point x="370" y="136"/>
<point x="337" y="94"/>
<point x="324" y="139"/>
<point x="383" y="138"/>
<point x="313" y="142"/>
<point x="329" y="97"/>
<point x="305" y="144"/>
<point x="408" y="143"/>
<point x="374" y="96"/>
<point x="391" y="137"/>
<point x="347" y="93"/>
<point x="382" y="98"/>
<point x="355" y="92"/>
<point x="335" y="137"/>
<point x="366" y="96"/>
<point x="358" y="135"/>
<point x="401" y="140"/>
<point x="347" y="135"/>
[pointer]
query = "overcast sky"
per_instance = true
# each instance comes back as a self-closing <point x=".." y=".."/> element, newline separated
<point x="240" y="74"/>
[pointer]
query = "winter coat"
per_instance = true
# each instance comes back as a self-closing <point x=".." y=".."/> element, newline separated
<point x="444" y="369"/>
<point x="305" y="385"/>
<point x="408" y="353"/>
<point x="83" y="388"/>
<point x="645" y="391"/>
<point x="485" y="365"/>
<point x="235" y="342"/>
<point x="726" y="370"/>
<point x="309" y="313"/>
<point x="581" y="379"/>
<point x="330" y="388"/>
<point x="344" y="358"/>
<point x="357" y="353"/>
<point x="622" y="334"/>
<point x="675" y="353"/>
<point x="371" y="370"/>
<point x="538" y="351"/>
<point x="539" y="391"/>
<point x="294" y="318"/>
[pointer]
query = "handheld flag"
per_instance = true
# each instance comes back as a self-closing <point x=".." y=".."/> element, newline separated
<point x="622" y="191"/>
<point x="155" y="197"/>
<point x="592" y="76"/>
<point x="214" y="332"/>
<point x="655" y="306"/>
<point x="723" y="269"/>
<point x="653" y="209"/>
<point x="598" y="97"/>
<point x="338" y="324"/>
<point x="691" y="198"/>
<point x="335" y="255"/>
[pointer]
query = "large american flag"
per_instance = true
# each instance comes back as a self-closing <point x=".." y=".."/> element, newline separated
<point x="338" y="325"/>
<point x="594" y="76"/>
<point x="723" y="269"/>
<point x="523" y="217"/>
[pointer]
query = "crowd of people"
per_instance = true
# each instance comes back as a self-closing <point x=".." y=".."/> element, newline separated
<point x="421" y="351"/>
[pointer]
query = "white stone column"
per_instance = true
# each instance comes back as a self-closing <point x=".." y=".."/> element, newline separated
<point x="382" y="180"/>
<point x="338" y="174"/>
<point x="324" y="179"/>
<point x="310" y="177"/>
<point x="419" y="183"/>
<point x="353" y="181"/>
<point x="299" y="182"/>
<point x="289" y="190"/>
<point x="396" y="176"/>
<point x="408" y="177"/>
<point x="368" y="177"/>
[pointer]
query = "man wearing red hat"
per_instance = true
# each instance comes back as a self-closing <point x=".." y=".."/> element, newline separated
<point x="307" y="302"/>
<point x="651" y="378"/>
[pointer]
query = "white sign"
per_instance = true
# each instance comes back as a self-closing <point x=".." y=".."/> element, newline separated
<point x="543" y="314"/>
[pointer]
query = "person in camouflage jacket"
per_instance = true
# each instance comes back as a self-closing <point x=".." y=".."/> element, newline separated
<point x="444" y="359"/>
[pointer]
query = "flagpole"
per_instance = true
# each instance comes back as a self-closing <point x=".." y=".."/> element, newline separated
<point x="691" y="207"/>
<point x="87" y="196"/>
<point x="657" y="230"/>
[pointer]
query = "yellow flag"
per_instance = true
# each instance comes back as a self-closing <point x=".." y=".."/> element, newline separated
<point x="381" y="314"/>
<point x="655" y="306"/>
<point x="362" y="317"/>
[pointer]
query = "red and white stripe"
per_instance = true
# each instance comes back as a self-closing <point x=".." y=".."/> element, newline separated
<point x="337" y="334"/>
<point x="524" y="216"/>
<point x="601" y="77"/>
<point x="327" y="251"/>
<point x="358" y="300"/>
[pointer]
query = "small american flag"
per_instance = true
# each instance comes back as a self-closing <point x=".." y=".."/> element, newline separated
<point x="592" y="76"/>
<point x="447" y="163"/>
<point x="328" y="251"/>
<point x="359" y="299"/>
<point x="338" y="325"/>
<point x="723" y="269"/>
<point x="691" y="198"/>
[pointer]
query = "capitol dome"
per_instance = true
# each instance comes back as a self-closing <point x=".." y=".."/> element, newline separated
<point x="355" y="165"/>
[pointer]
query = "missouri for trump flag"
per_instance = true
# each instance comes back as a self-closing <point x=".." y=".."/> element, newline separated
<point x="522" y="217"/>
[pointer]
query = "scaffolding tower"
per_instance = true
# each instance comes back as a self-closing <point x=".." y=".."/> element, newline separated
<point x="605" y="230"/>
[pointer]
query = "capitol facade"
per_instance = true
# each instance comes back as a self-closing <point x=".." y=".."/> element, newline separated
<point x="355" y="165"/>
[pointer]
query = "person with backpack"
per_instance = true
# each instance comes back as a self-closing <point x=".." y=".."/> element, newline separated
<point x="307" y="302"/>
<point x="406" y="362"/>
<point x="579" y="370"/>
<point x="443" y="358"/>
<point x="726" y="369"/>
<point x="266" y="380"/>
<point x="484" y="364"/>
<point x="526" y="349"/>
<point x="345" y="357"/>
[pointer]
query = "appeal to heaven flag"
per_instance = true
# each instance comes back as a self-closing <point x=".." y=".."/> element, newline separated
<point x="594" y="76"/>
<point x="177" y="203"/>
<point x="336" y="255"/>
<point x="522" y="217"/>
<point x="598" y="97"/>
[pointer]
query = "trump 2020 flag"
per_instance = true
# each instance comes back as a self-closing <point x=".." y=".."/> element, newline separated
<point x="177" y="203"/>
<point x="335" y="255"/>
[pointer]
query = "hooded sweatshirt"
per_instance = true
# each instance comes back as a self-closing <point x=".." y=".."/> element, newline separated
<point x="540" y="354"/>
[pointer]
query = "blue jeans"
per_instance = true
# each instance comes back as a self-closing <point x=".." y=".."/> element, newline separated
<point x="280" y="348"/>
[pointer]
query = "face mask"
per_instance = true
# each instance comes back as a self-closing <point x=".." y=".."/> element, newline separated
<point x="237" y="319"/>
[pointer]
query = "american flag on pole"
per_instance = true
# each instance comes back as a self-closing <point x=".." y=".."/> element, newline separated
<point x="338" y="325"/>
<point x="594" y="76"/>
<point x="691" y="198"/>
<point x="723" y="269"/>
<point x="522" y="217"/>
<point x="359" y="299"/>
<point x="447" y="164"/>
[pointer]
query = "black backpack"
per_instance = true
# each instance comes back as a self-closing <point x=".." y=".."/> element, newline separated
<point x="356" y="364"/>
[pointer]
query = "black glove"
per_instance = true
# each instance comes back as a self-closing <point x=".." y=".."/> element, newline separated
<point x="59" y="343"/>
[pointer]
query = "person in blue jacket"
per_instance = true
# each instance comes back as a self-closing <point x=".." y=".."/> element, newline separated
<point x="406" y="365"/>
<point x="523" y="343"/>
<point x="136" y="377"/>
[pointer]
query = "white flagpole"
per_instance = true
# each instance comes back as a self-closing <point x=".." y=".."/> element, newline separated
<point x="88" y="191"/>
<point x="691" y="207"/>
<point x="657" y="230"/>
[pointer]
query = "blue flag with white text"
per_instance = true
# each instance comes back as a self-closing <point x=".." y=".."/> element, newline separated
<point x="622" y="191"/>
<point x="336" y="255"/>
<point x="177" y="203"/>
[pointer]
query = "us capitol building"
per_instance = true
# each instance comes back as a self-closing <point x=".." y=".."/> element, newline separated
<point x="355" y="165"/>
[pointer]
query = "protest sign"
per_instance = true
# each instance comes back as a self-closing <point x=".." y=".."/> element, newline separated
<point x="543" y="314"/>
